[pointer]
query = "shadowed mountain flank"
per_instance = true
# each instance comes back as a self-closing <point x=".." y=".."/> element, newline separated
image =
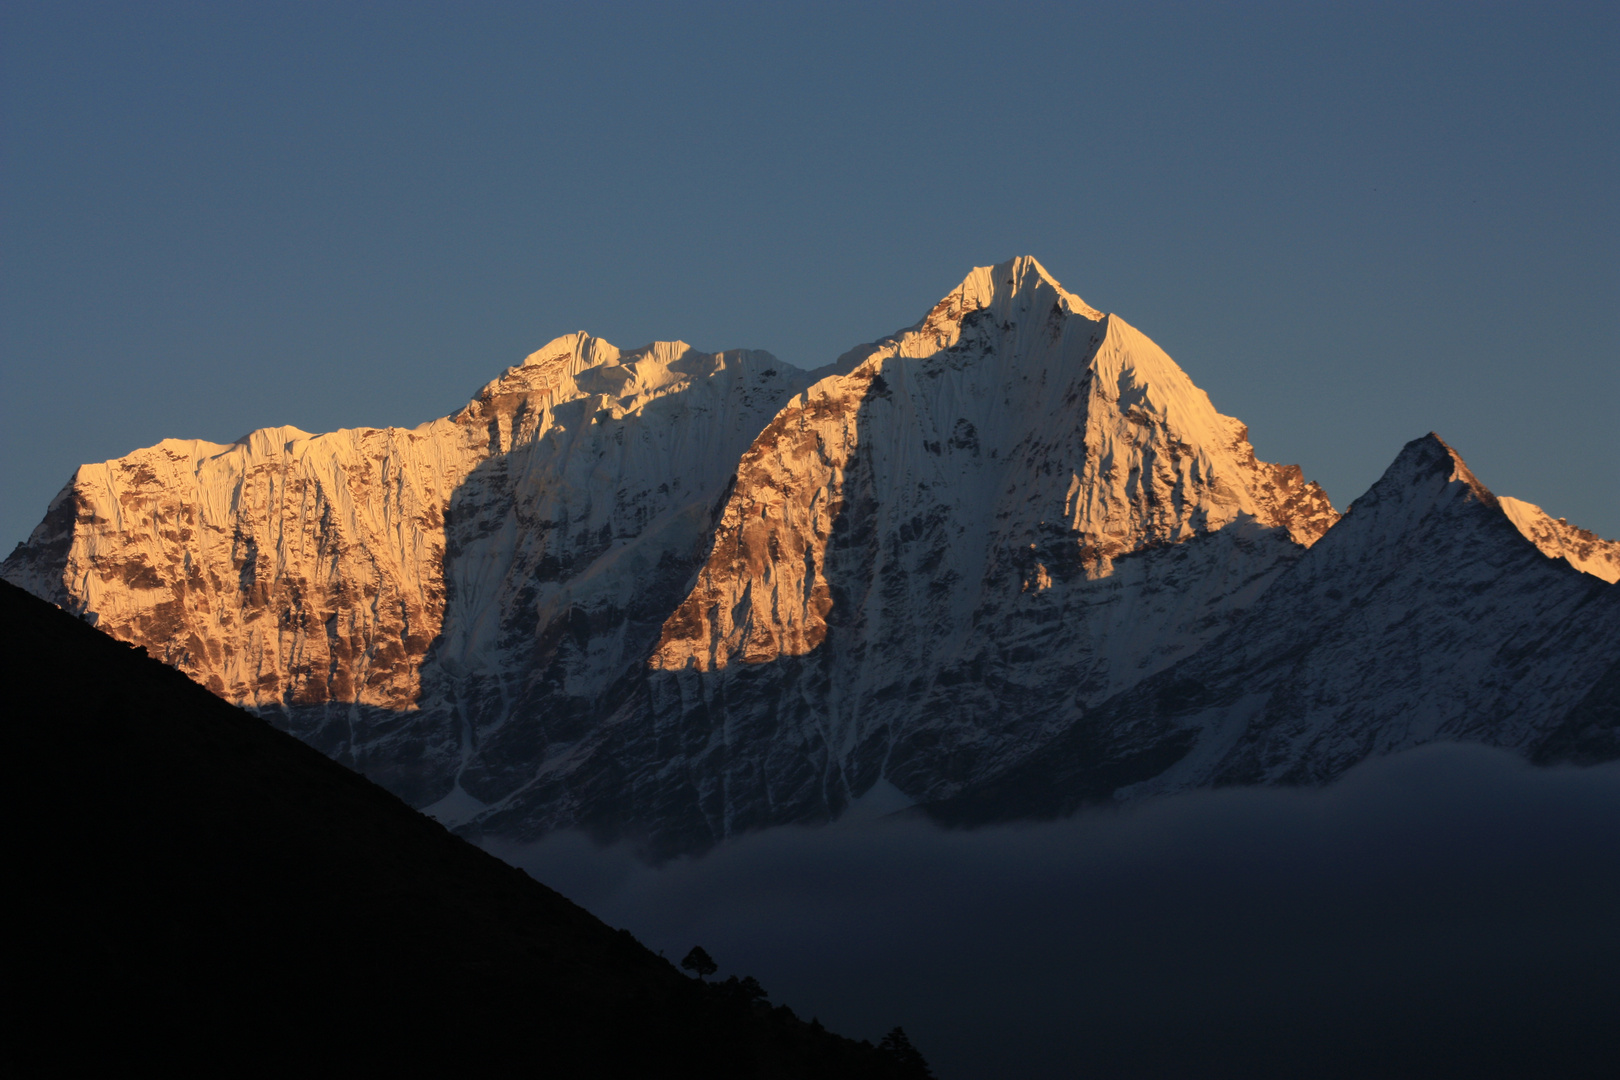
<point x="196" y="883"/>
<point x="673" y="596"/>
<point x="1424" y="616"/>
<point x="434" y="606"/>
<point x="929" y="560"/>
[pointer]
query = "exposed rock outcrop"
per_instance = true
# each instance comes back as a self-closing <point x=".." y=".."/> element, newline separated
<point x="674" y="595"/>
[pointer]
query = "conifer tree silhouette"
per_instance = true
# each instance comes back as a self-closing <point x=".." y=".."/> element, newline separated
<point x="700" y="963"/>
<point x="910" y="1060"/>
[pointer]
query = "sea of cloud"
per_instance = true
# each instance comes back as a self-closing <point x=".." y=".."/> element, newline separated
<point x="1446" y="911"/>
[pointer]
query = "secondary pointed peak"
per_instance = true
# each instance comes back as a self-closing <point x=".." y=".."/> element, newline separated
<point x="1426" y="477"/>
<point x="1431" y="455"/>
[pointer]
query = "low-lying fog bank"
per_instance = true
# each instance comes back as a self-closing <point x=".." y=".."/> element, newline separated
<point x="1448" y="909"/>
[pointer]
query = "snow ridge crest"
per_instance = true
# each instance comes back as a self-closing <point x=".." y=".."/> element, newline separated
<point x="692" y="593"/>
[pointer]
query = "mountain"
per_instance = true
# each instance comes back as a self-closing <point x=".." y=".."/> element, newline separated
<point x="192" y="885"/>
<point x="395" y="597"/>
<point x="1425" y="615"/>
<point x="938" y="555"/>
<point x="673" y="596"/>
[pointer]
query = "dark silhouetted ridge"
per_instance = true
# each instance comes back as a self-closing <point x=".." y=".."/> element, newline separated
<point x="196" y="885"/>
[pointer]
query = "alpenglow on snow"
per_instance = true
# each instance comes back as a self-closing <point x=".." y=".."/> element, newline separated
<point x="1009" y="560"/>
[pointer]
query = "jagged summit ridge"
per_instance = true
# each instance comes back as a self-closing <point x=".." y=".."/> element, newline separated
<point x="1002" y="291"/>
<point x="290" y="570"/>
<point x="676" y="595"/>
<point x="1056" y="437"/>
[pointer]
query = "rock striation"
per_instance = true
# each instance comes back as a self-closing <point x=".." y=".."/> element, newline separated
<point x="946" y="550"/>
<point x="673" y="595"/>
<point x="392" y="596"/>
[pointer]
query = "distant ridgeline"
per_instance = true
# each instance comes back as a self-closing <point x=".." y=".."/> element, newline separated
<point x="1010" y="560"/>
<point x="196" y="887"/>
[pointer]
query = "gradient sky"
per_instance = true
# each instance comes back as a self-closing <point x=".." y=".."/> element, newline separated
<point x="1349" y="224"/>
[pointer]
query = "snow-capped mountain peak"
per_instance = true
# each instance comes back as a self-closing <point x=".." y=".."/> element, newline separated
<point x="1429" y="477"/>
<point x="1035" y="439"/>
<point x="674" y="594"/>
<point x="1426" y="477"/>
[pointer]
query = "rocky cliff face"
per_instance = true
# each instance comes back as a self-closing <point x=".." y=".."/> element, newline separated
<point x="675" y="595"/>
<point x="1012" y="441"/>
<point x="396" y="597"/>
<point x="945" y="551"/>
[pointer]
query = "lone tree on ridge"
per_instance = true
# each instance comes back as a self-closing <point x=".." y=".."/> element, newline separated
<point x="910" y="1060"/>
<point x="700" y="963"/>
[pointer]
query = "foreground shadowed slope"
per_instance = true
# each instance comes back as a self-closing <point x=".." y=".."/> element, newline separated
<point x="196" y="883"/>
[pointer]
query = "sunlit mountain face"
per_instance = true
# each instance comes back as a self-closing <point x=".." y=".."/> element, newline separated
<point x="1006" y="562"/>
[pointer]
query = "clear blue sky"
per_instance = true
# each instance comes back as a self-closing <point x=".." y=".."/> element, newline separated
<point x="1351" y="224"/>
